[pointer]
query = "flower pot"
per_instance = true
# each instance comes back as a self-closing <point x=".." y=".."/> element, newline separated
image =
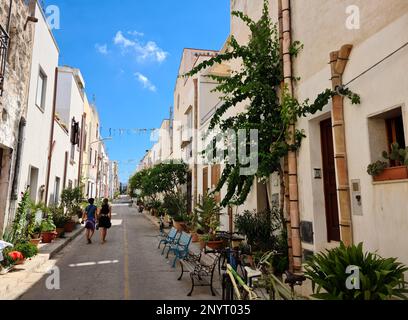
<point x="36" y="241"/>
<point x="47" y="237"/>
<point x="20" y="262"/>
<point x="180" y="226"/>
<point x="69" y="226"/>
<point x="60" y="232"/>
<point x="393" y="173"/>
<point x="215" y="245"/>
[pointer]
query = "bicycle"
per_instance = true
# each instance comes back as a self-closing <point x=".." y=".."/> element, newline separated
<point x="275" y="287"/>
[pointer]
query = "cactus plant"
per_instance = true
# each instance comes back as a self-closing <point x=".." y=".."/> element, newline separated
<point x="400" y="156"/>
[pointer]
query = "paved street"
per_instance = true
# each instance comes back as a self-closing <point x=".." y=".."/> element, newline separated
<point x="128" y="266"/>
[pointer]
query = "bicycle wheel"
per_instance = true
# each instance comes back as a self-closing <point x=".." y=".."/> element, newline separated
<point x="227" y="288"/>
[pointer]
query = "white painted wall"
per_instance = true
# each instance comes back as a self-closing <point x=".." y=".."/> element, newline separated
<point x="38" y="128"/>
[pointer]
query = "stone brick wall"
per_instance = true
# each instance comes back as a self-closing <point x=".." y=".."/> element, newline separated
<point x="13" y="103"/>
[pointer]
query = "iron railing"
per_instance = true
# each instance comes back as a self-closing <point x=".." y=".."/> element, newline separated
<point x="4" y="43"/>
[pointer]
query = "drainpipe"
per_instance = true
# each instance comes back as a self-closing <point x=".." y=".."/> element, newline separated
<point x="195" y="143"/>
<point x="295" y="240"/>
<point x="51" y="142"/>
<point x="338" y="62"/>
<point x="81" y="147"/>
<point x="9" y="16"/>
<point x="21" y="130"/>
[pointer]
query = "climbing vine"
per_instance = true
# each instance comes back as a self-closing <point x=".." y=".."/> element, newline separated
<point x="270" y="108"/>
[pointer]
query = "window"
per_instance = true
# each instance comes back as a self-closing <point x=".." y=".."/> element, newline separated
<point x="72" y="153"/>
<point x="57" y="190"/>
<point x="96" y="157"/>
<point x="90" y="156"/>
<point x="385" y="129"/>
<point x="41" y="90"/>
<point x="69" y="184"/>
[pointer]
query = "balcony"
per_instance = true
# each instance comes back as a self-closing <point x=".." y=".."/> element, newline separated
<point x="186" y="136"/>
<point x="4" y="43"/>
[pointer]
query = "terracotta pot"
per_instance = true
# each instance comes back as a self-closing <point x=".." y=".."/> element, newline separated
<point x="180" y="226"/>
<point x="20" y="262"/>
<point x="47" y="237"/>
<point x="60" y="232"/>
<point x="393" y="173"/>
<point x="215" y="245"/>
<point x="36" y="241"/>
<point x="69" y="226"/>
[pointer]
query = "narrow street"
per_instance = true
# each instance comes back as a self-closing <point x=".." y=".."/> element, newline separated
<point x="129" y="266"/>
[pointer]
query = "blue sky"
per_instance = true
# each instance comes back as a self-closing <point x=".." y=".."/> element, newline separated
<point x="129" y="53"/>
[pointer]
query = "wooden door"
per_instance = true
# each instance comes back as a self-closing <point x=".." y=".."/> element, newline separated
<point x="215" y="179"/>
<point x="205" y="181"/>
<point x="329" y="177"/>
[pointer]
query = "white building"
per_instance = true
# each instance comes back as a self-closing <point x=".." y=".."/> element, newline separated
<point x="36" y="144"/>
<point x="65" y="168"/>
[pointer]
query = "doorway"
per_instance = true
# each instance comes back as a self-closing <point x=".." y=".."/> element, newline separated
<point x="33" y="184"/>
<point x="330" y="185"/>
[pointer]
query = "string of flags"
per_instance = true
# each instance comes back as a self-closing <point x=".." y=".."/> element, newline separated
<point x="113" y="132"/>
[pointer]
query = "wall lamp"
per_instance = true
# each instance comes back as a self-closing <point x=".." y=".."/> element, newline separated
<point x="30" y="19"/>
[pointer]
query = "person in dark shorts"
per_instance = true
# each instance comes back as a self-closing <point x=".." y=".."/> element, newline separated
<point x="89" y="217"/>
<point x="105" y="217"/>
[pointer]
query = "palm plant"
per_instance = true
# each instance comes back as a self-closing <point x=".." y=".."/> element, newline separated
<point x="208" y="213"/>
<point x="376" y="279"/>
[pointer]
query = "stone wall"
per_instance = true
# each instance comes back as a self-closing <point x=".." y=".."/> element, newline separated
<point x="13" y="103"/>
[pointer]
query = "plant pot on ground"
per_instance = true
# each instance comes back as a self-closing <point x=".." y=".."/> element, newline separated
<point x="60" y="220"/>
<point x="69" y="226"/>
<point x="48" y="232"/>
<point x="180" y="222"/>
<point x="27" y="249"/>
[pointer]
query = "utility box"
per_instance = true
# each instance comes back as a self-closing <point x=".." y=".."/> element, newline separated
<point x="356" y="198"/>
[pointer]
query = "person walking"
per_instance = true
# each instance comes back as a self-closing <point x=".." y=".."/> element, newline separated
<point x="105" y="217"/>
<point x="89" y="217"/>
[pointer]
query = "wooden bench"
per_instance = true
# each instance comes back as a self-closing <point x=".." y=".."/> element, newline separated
<point x="201" y="269"/>
<point x="180" y="248"/>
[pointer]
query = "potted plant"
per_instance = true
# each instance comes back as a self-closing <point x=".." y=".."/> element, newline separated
<point x="48" y="232"/>
<point x="193" y="226"/>
<point x="381" y="171"/>
<point x="180" y="221"/>
<point x="175" y="205"/>
<point x="379" y="278"/>
<point x="209" y="212"/>
<point x="60" y="220"/>
<point x="35" y="234"/>
<point x="71" y="200"/>
<point x="27" y="249"/>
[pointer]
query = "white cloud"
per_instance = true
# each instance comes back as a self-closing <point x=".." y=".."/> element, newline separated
<point x="145" y="82"/>
<point x="102" y="49"/>
<point x="136" y="33"/>
<point x="122" y="41"/>
<point x="143" y="52"/>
